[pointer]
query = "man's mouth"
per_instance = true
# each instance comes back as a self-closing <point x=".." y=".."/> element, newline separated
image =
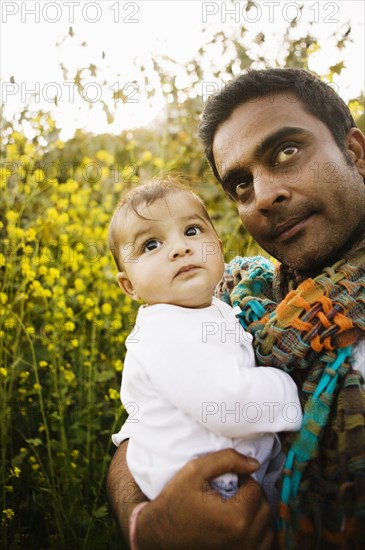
<point x="291" y="227"/>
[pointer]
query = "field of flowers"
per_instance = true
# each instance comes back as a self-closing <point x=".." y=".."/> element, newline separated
<point x="63" y="322"/>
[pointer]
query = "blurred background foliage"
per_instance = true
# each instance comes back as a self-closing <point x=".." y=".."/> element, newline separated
<point x="63" y="318"/>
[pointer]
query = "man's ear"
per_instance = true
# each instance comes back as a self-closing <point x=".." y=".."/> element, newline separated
<point x="126" y="285"/>
<point x="355" y="144"/>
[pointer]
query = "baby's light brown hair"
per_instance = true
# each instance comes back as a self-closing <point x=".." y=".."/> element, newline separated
<point x="144" y="195"/>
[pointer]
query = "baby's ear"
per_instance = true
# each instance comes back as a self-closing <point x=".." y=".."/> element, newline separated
<point x="126" y="285"/>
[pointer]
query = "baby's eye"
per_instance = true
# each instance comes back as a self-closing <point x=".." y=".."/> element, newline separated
<point x="193" y="230"/>
<point x="151" y="245"/>
<point x="286" y="153"/>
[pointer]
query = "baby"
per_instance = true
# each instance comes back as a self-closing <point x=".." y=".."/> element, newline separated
<point x="189" y="373"/>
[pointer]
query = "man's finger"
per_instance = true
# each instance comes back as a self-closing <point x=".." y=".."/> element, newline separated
<point x="214" y="464"/>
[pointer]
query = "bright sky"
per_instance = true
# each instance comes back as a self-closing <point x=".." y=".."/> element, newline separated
<point x="126" y="31"/>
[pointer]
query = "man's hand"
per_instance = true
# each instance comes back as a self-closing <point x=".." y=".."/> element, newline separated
<point x="189" y="514"/>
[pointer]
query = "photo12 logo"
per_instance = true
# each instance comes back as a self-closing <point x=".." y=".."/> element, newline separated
<point x="252" y="12"/>
<point x="69" y="12"/>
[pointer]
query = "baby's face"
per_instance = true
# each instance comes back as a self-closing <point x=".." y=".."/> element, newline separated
<point x="174" y="256"/>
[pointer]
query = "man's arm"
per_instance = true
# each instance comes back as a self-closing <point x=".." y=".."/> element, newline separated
<point x="188" y="513"/>
<point x="123" y="492"/>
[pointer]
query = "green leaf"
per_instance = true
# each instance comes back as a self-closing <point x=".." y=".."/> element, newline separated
<point x="35" y="442"/>
<point x="101" y="512"/>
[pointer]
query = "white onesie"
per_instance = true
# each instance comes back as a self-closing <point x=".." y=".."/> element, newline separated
<point x="191" y="386"/>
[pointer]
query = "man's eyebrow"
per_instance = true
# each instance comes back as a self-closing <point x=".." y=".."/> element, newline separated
<point x="269" y="141"/>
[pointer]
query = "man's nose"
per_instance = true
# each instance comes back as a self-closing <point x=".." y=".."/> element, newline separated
<point x="270" y="190"/>
<point x="180" y="248"/>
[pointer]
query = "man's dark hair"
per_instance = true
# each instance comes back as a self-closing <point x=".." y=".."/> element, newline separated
<point x="317" y="98"/>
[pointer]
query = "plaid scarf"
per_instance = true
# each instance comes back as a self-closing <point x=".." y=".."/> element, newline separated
<point x="310" y="334"/>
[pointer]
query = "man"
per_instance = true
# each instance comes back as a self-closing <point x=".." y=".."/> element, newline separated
<point x="285" y="148"/>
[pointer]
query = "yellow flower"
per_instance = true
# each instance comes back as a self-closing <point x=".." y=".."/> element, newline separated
<point x="158" y="162"/>
<point x="76" y="200"/>
<point x="89" y="302"/>
<point x="15" y="472"/>
<point x="3" y="371"/>
<point x="2" y="260"/>
<point x="52" y="214"/>
<point x="37" y="387"/>
<point x="28" y="250"/>
<point x="38" y="175"/>
<point x="79" y="284"/>
<point x="105" y="157"/>
<point x="3" y="298"/>
<point x="113" y="394"/>
<point x="30" y="234"/>
<point x="10" y="323"/>
<point x="146" y="156"/>
<point x="8" y="513"/>
<point x="43" y="363"/>
<point x="69" y="376"/>
<point x="53" y="272"/>
<point x="75" y="343"/>
<point x="69" y="326"/>
<point x="62" y="204"/>
<point x="75" y="454"/>
<point x="106" y="309"/>
<point x="12" y="216"/>
<point x="118" y="365"/>
<point x="27" y="271"/>
<point x="64" y="218"/>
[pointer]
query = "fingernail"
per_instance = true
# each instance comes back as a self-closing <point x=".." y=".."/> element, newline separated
<point x="252" y="461"/>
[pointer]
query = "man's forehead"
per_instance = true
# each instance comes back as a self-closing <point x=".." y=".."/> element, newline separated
<point x="269" y="109"/>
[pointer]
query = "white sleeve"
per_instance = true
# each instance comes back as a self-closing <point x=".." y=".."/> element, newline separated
<point x="119" y="437"/>
<point x="216" y="385"/>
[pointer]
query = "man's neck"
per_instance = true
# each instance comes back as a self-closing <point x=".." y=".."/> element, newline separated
<point x="287" y="279"/>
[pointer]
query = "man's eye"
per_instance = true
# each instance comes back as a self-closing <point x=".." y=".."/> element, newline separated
<point x="193" y="230"/>
<point x="151" y="245"/>
<point x="241" y="188"/>
<point x="286" y="153"/>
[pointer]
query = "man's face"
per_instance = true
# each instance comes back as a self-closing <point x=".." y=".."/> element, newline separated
<point x="173" y="256"/>
<point x="295" y="192"/>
